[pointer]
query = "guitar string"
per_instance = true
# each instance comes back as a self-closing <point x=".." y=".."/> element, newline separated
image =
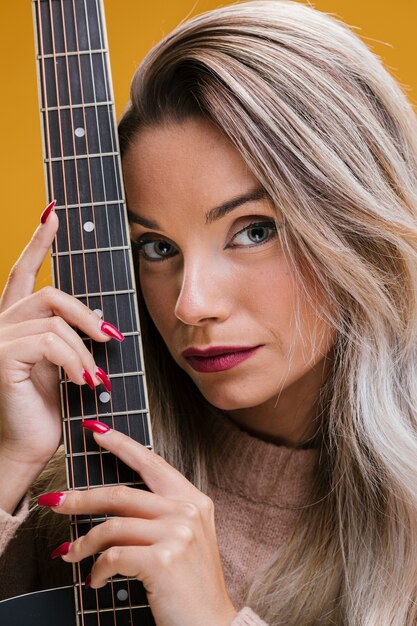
<point x="56" y="266"/>
<point x="119" y="192"/>
<point x="77" y="187"/>
<point x="114" y="149"/>
<point x="64" y="181"/>
<point x="95" y="235"/>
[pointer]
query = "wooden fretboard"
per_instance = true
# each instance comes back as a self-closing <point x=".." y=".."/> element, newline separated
<point x="92" y="262"/>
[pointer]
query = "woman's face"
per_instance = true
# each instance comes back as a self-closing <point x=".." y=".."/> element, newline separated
<point x="218" y="278"/>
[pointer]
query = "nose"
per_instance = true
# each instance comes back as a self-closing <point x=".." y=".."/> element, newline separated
<point x="204" y="293"/>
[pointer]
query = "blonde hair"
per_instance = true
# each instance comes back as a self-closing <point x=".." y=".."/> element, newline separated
<point x="332" y="138"/>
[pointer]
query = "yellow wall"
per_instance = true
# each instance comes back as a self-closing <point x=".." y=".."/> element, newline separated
<point x="132" y="29"/>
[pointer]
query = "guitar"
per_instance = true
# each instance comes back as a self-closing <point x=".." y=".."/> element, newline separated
<point x="91" y="260"/>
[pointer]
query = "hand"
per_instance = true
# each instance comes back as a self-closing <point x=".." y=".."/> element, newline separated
<point x="166" y="538"/>
<point x="36" y="336"/>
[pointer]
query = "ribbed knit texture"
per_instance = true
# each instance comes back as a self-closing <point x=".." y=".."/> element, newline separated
<point x="257" y="488"/>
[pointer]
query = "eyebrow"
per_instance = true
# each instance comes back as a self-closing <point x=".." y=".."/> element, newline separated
<point x="212" y="215"/>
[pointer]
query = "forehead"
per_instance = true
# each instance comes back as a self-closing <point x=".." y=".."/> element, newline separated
<point x="191" y="161"/>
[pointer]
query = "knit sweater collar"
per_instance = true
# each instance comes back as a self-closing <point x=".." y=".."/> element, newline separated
<point x="259" y="470"/>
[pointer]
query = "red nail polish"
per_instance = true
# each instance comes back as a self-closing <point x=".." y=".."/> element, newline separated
<point x="111" y="331"/>
<point x="87" y="581"/>
<point x="96" y="426"/>
<point x="52" y="499"/>
<point x="101" y="374"/>
<point x="88" y="379"/>
<point x="64" y="548"/>
<point x="46" y="213"/>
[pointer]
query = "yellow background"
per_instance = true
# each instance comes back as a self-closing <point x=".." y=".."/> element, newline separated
<point x="133" y="27"/>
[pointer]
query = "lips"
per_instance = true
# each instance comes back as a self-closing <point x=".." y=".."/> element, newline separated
<point x="215" y="350"/>
<point x="218" y="358"/>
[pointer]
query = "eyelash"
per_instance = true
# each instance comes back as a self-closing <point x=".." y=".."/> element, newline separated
<point x="267" y="225"/>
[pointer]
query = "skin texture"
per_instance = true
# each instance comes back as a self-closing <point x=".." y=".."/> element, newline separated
<point x="214" y="287"/>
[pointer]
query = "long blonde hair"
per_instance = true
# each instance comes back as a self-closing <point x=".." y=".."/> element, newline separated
<point x="332" y="138"/>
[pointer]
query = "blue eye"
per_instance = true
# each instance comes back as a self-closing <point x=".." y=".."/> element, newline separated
<point x="255" y="234"/>
<point x="155" y="249"/>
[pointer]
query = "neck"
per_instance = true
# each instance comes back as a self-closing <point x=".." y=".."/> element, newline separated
<point x="293" y="418"/>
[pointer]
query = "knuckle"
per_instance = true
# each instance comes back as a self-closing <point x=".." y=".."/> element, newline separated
<point x="112" y="527"/>
<point x="184" y="533"/>
<point x="48" y="293"/>
<point x="190" y="511"/>
<point x="118" y="494"/>
<point x="56" y="324"/>
<point x="111" y="556"/>
<point x="165" y="556"/>
<point x="206" y="505"/>
<point x="50" y="338"/>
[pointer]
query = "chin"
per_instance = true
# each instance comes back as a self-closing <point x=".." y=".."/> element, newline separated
<point x="235" y="398"/>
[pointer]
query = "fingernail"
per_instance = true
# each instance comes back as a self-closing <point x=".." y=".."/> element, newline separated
<point x="96" y="426"/>
<point x="87" y="581"/>
<point x="46" y="213"/>
<point x="101" y="374"/>
<point x="55" y="498"/>
<point x="111" y="331"/>
<point x="88" y="379"/>
<point x="64" y="548"/>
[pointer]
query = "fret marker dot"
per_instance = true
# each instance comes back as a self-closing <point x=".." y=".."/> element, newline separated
<point x="104" y="397"/>
<point x="98" y="312"/>
<point x="79" y="132"/>
<point x="122" y="595"/>
<point x="88" y="226"/>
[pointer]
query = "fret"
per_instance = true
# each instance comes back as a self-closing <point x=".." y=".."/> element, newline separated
<point x="109" y="471"/>
<point x="135" y="424"/>
<point x="119" y="608"/>
<point x="118" y="309"/>
<point x="90" y="453"/>
<point x="84" y="105"/>
<point x="98" y="294"/>
<point x="98" y="179"/>
<point x="90" y="228"/>
<point x="76" y="274"/>
<point x="74" y="80"/>
<point x="127" y="394"/>
<point x="80" y="156"/>
<point x="106" y="203"/>
<point x="89" y="251"/>
<point x="64" y="381"/>
<point x="142" y="617"/>
<point x="83" y="25"/>
<point x="69" y="54"/>
<point x="79" y="418"/>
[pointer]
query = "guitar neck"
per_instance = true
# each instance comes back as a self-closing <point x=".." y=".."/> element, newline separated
<point x="91" y="260"/>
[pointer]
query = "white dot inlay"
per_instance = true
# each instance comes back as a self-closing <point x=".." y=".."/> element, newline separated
<point x="88" y="226"/>
<point x="104" y="396"/>
<point x="79" y="132"/>
<point x="98" y="312"/>
<point x="122" y="594"/>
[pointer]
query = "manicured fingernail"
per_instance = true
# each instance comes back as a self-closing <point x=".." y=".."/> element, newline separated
<point x="55" y="498"/>
<point x="87" y="581"/>
<point x="64" y="548"/>
<point x="111" y="331"/>
<point x="101" y="374"/>
<point x="96" y="426"/>
<point x="88" y="379"/>
<point x="46" y="213"/>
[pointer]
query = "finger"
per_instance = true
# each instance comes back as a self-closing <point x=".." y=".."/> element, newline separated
<point x="48" y="302"/>
<point x="20" y="355"/>
<point x="115" y="532"/>
<point x="119" y="500"/>
<point x="56" y="325"/>
<point x="22" y="277"/>
<point x="132" y="561"/>
<point x="159" y="476"/>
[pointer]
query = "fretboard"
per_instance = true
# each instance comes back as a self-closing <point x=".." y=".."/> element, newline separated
<point x="91" y="260"/>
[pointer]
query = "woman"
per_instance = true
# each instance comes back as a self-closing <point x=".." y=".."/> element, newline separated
<point x="270" y="170"/>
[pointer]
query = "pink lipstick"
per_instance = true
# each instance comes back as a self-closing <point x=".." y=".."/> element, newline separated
<point x="218" y="358"/>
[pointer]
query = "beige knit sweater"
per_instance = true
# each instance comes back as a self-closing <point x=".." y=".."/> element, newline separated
<point x="255" y="493"/>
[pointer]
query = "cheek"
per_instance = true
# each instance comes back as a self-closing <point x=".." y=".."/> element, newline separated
<point x="156" y="295"/>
